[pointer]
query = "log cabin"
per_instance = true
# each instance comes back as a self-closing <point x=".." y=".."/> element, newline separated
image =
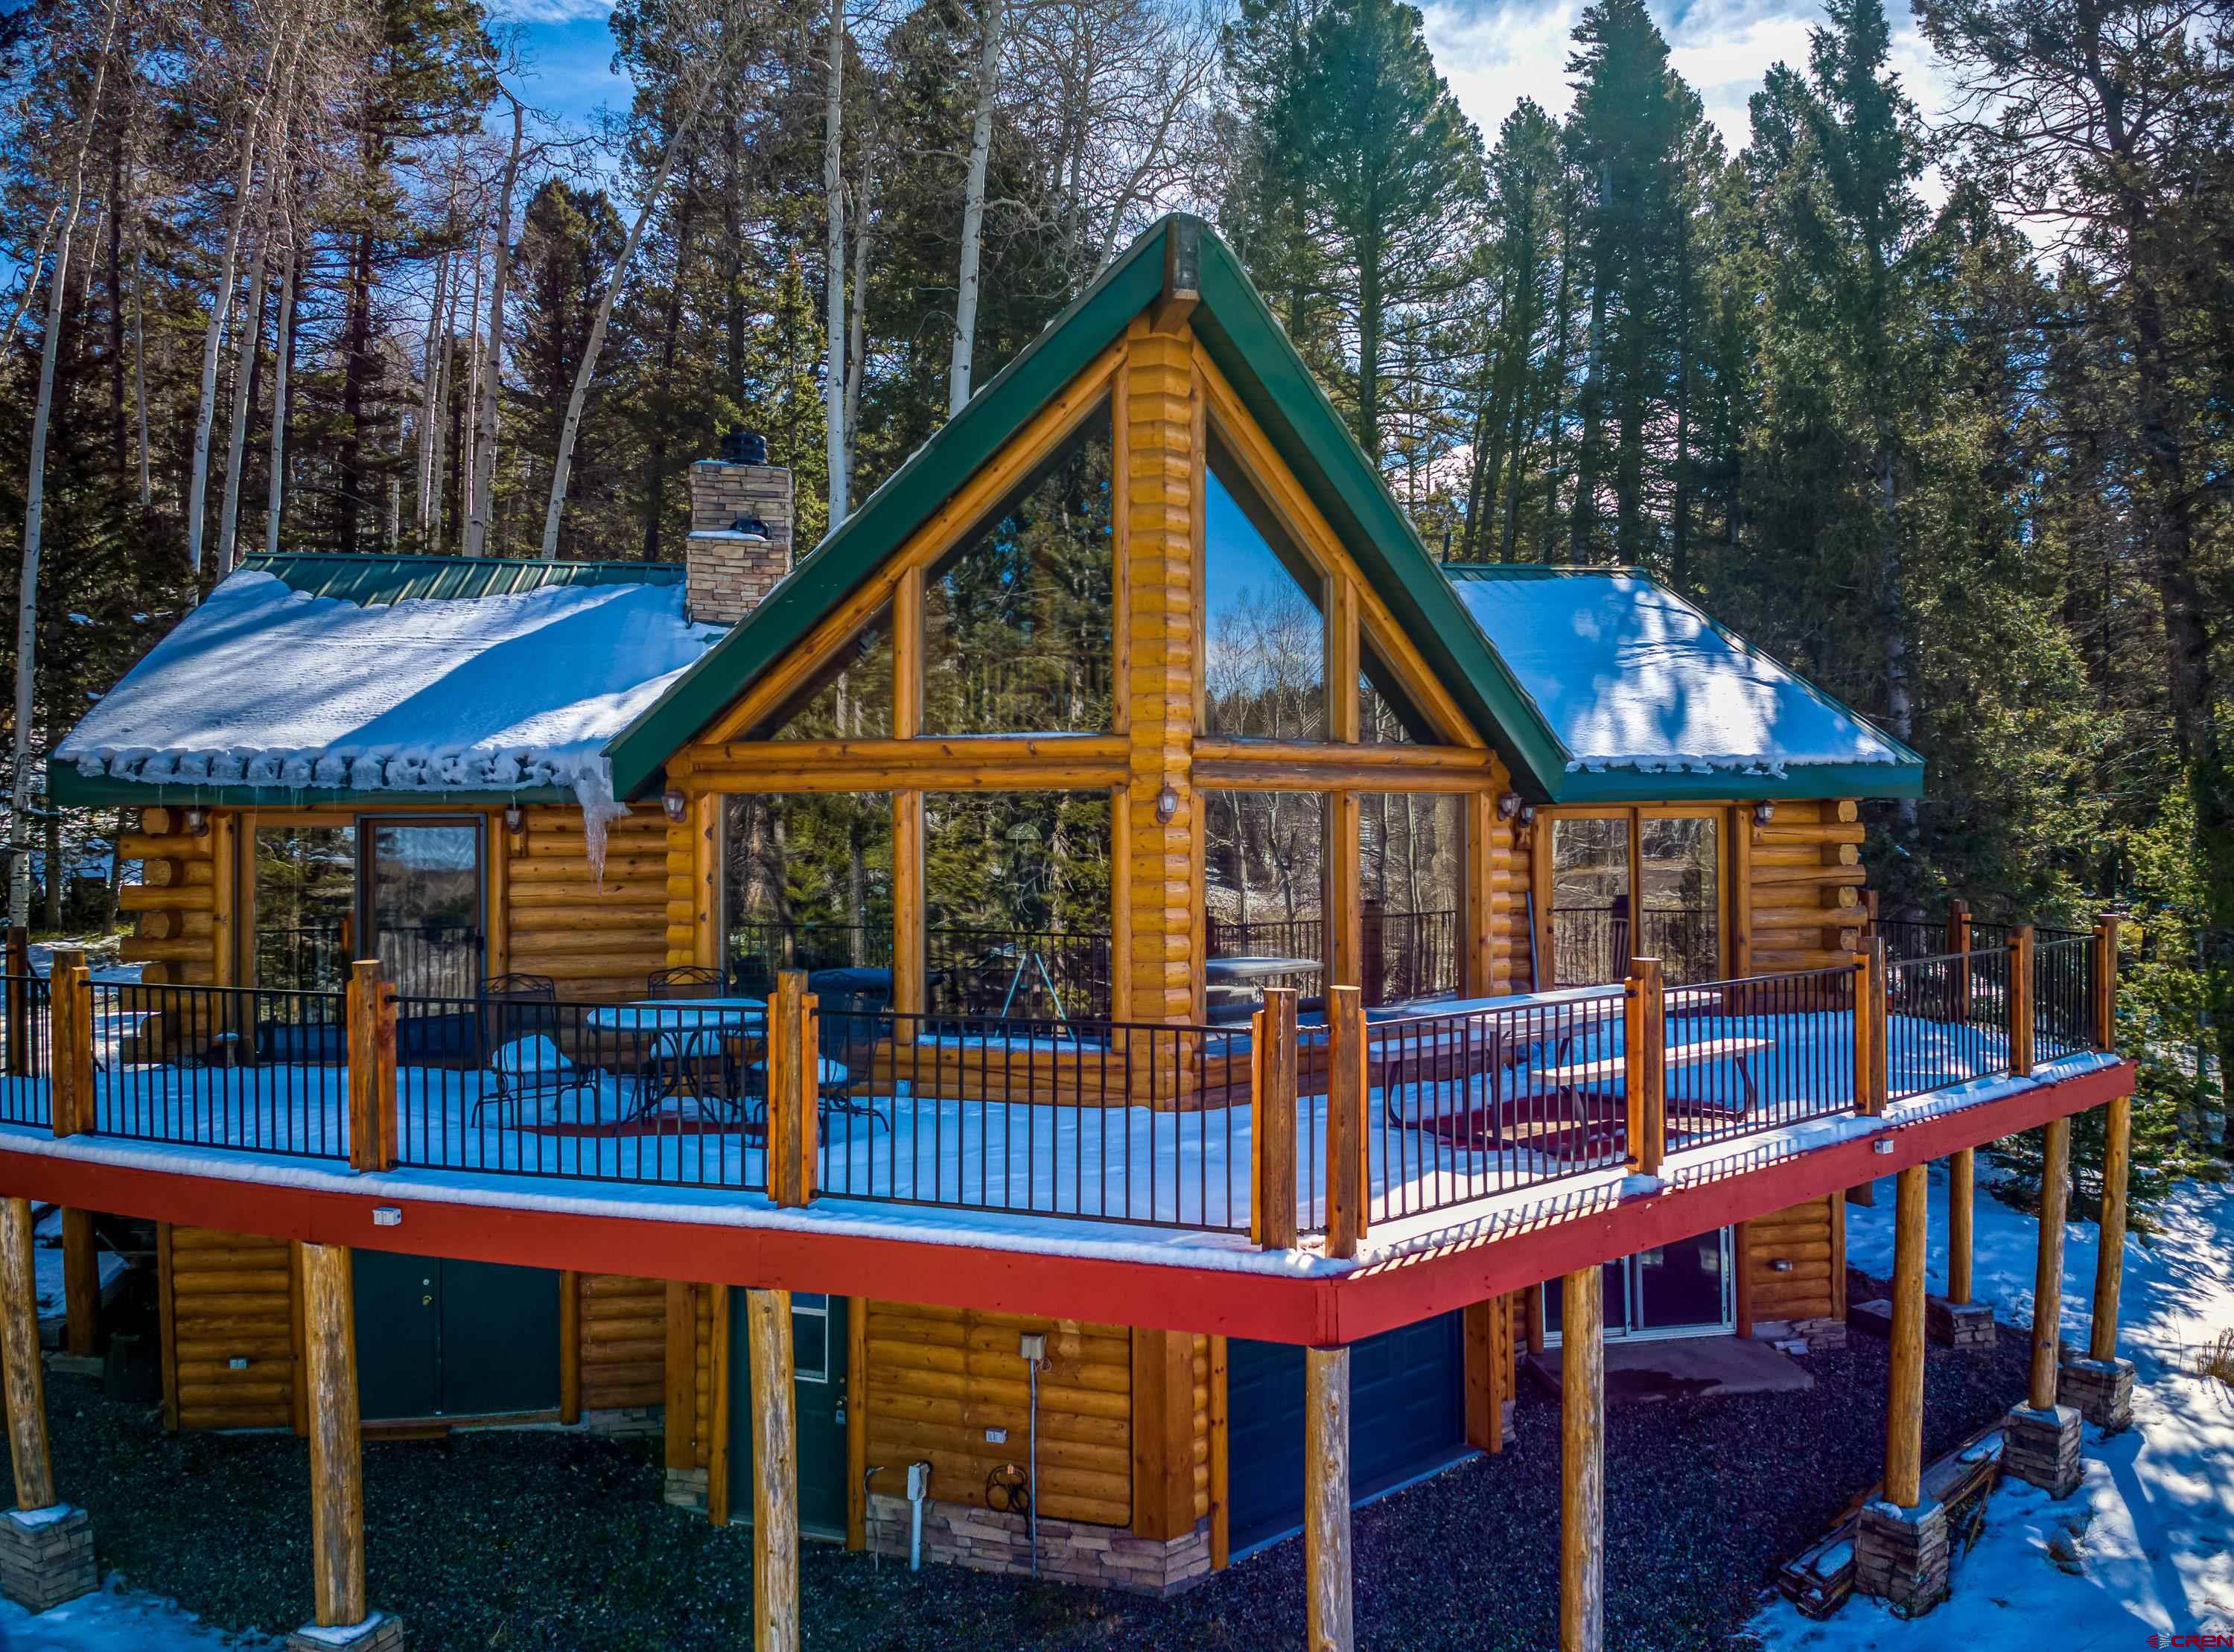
<point x="1093" y="1020"/>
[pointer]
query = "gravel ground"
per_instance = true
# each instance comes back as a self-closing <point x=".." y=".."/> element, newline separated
<point x="541" y="1540"/>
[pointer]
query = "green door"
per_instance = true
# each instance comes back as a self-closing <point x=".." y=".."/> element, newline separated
<point x="439" y="1337"/>
<point x="819" y="1349"/>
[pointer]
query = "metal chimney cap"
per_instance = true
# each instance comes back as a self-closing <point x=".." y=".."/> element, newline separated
<point x="743" y="447"/>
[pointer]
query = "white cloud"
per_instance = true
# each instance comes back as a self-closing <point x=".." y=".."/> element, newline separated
<point x="1495" y="52"/>
<point x="534" y="11"/>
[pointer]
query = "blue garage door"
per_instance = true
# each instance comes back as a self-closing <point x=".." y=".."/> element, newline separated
<point x="1406" y="1416"/>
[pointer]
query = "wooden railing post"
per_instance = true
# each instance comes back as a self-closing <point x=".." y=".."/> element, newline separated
<point x="2106" y="982"/>
<point x="373" y="1133"/>
<point x="2020" y="998"/>
<point x="794" y="1090"/>
<point x="1644" y="1065"/>
<point x="19" y="1002"/>
<point x="1347" y="1186"/>
<point x="1958" y="943"/>
<point x="69" y="1000"/>
<point x="1273" y="1127"/>
<point x="1870" y="1072"/>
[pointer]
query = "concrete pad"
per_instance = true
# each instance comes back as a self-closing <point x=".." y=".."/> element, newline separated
<point x="1700" y="1367"/>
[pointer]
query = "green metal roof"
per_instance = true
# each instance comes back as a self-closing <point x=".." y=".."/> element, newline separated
<point x="371" y="580"/>
<point x="1251" y="348"/>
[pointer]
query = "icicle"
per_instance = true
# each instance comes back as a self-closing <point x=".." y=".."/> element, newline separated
<point x="593" y="790"/>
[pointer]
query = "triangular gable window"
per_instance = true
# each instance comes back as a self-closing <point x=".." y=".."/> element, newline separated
<point x="1386" y="715"/>
<point x="850" y="698"/>
<point x="1017" y="618"/>
<point x="1263" y="624"/>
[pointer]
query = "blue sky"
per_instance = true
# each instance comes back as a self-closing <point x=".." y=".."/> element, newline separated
<point x="1493" y="52"/>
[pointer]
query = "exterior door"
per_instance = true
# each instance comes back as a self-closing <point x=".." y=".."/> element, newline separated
<point x="423" y="901"/>
<point x="1406" y="1418"/>
<point x="819" y="1348"/>
<point x="1686" y="1288"/>
<point x="439" y="1337"/>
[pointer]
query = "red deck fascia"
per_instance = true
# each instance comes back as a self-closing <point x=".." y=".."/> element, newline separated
<point x="1322" y="1310"/>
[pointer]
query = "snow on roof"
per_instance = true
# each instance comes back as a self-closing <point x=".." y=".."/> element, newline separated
<point x="266" y="685"/>
<point x="1631" y="676"/>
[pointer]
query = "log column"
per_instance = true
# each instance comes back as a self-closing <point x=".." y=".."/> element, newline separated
<point x="1956" y="1319"/>
<point x="775" y="1473"/>
<point x="46" y="1546"/>
<point x="80" y="1284"/>
<point x="2042" y="1437"/>
<point x="2101" y="1385"/>
<point x="336" y="1469"/>
<point x="1582" y="1461"/>
<point x="1900" y="1542"/>
<point x="1326" y="1499"/>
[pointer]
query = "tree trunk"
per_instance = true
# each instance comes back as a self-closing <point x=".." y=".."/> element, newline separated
<point x="283" y="356"/>
<point x="655" y="466"/>
<point x="477" y="524"/>
<point x="470" y="410"/>
<point x="833" y="264"/>
<point x="140" y="358"/>
<point x="430" y="371"/>
<point x="857" y="353"/>
<point x="243" y="379"/>
<point x="119" y="429"/>
<point x="35" y="489"/>
<point x="973" y="213"/>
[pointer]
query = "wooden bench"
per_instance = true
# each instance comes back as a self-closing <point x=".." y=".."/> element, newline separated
<point x="1739" y="1050"/>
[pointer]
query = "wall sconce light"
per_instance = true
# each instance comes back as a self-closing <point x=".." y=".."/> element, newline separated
<point x="1527" y="814"/>
<point x="1167" y="804"/>
<point x="197" y="822"/>
<point x="1508" y="806"/>
<point x="675" y="803"/>
<point x="513" y="820"/>
<point x="1783" y="1264"/>
<point x="1763" y="812"/>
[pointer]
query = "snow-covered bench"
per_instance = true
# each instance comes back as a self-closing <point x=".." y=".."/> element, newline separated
<point x="1737" y="1051"/>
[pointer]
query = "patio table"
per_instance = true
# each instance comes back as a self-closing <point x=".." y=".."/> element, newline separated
<point x="683" y="1031"/>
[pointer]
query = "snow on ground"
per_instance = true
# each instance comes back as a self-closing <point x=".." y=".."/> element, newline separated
<point x="2146" y="1546"/>
<point x="115" y="1620"/>
<point x="47" y="1256"/>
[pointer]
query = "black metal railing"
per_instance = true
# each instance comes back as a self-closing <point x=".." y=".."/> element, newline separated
<point x="309" y="956"/>
<point x="26" y="1052"/>
<point x="2062" y="994"/>
<point x="264" y="1070"/>
<point x="1947" y="1020"/>
<point x="1761" y="1054"/>
<point x="1479" y="1102"/>
<point x="1592" y="946"/>
<point x="977" y="971"/>
<point x="1113" y="1121"/>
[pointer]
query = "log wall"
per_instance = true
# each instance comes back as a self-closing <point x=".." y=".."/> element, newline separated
<point x="1803" y="1237"/>
<point x="227" y="1296"/>
<point x="1804" y="880"/>
<point x="179" y="921"/>
<point x="937" y="1378"/>
<point x="594" y="940"/>
<point x="623" y="1341"/>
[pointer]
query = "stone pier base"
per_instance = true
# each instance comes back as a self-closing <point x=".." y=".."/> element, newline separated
<point x="1901" y="1556"/>
<point x="46" y="1556"/>
<point x="1964" y="1325"/>
<point x="1069" y="1551"/>
<point x="2101" y="1389"/>
<point x="2042" y="1447"/>
<point x="380" y="1632"/>
<point x="686" y="1489"/>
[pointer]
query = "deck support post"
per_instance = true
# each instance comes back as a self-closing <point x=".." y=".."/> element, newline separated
<point x="775" y="1472"/>
<point x="80" y="1284"/>
<point x="1326" y="1500"/>
<point x="1900" y="1541"/>
<point x="2043" y="1438"/>
<point x="2101" y="1385"/>
<point x="1582" y="1461"/>
<point x="336" y="1463"/>
<point x="1962" y="1195"/>
<point x="46" y="1546"/>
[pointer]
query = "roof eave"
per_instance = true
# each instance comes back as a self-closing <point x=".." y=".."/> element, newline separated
<point x="70" y="787"/>
<point x="1797" y="783"/>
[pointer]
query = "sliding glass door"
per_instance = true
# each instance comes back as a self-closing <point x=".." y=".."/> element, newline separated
<point x="422" y="902"/>
<point x="1682" y="1290"/>
<point x="1636" y="883"/>
<point x="305" y="897"/>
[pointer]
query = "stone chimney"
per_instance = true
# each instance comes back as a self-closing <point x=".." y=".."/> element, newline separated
<point x="739" y="531"/>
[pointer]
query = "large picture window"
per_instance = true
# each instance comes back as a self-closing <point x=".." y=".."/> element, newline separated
<point x="1265" y="884"/>
<point x="1263" y="630"/>
<point x="1636" y="884"/>
<point x="1016" y="902"/>
<point x="806" y="885"/>
<point x="1016" y="618"/>
<point x="1409" y="853"/>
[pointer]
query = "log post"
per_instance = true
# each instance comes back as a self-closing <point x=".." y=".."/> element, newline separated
<point x="1273" y="1127"/>
<point x="19" y="1002"/>
<point x="2019" y="1001"/>
<point x="1347" y="1185"/>
<point x="793" y="1090"/>
<point x="80" y="1284"/>
<point x="1958" y="943"/>
<point x="1326" y="1500"/>
<point x="1876" y="1074"/>
<point x="2106" y="983"/>
<point x="337" y="1470"/>
<point x="1644" y="1065"/>
<point x="775" y="1473"/>
<point x="1903" y="1457"/>
<point x="1864" y="1063"/>
<point x="69" y="993"/>
<point x="570" y="1348"/>
<point x="1582" y="1461"/>
<point x="1962" y="1184"/>
<point x="2110" y="1254"/>
<point x="2048" y="1280"/>
<point x="19" y="1349"/>
<point x="372" y="1123"/>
